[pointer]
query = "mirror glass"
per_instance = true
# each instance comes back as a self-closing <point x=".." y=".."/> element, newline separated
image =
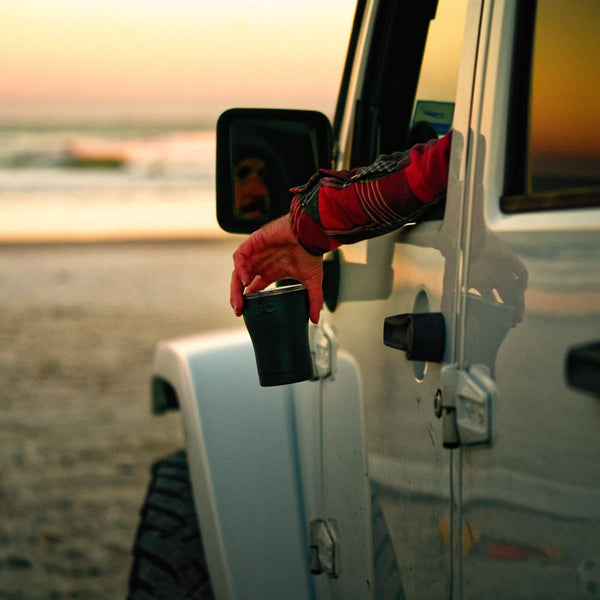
<point x="261" y="154"/>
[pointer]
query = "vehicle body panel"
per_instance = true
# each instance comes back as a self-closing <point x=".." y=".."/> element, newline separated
<point x="243" y="464"/>
<point x="530" y="502"/>
<point x="408" y="466"/>
<point x="266" y="461"/>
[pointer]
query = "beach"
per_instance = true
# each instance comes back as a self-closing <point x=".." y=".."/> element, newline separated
<point x="78" y="327"/>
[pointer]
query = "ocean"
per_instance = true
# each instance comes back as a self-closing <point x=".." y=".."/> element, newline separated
<point x="98" y="181"/>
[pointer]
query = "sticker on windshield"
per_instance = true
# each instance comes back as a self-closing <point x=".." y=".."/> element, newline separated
<point x="438" y="114"/>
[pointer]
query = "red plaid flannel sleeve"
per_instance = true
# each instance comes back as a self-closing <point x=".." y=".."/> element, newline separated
<point x="342" y="207"/>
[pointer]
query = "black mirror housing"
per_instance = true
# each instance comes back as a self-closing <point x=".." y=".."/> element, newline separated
<point x="261" y="154"/>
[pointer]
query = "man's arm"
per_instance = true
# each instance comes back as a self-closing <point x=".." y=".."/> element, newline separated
<point x="340" y="207"/>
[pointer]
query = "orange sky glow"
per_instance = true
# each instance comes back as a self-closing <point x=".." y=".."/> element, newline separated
<point x="189" y="58"/>
<point x="565" y="121"/>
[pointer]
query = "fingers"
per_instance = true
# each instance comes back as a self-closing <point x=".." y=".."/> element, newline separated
<point x="315" y="300"/>
<point x="240" y="278"/>
<point x="314" y="309"/>
<point x="236" y="290"/>
<point x="257" y="284"/>
<point x="239" y="267"/>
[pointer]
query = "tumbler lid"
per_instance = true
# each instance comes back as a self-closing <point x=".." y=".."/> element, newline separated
<point x="285" y="289"/>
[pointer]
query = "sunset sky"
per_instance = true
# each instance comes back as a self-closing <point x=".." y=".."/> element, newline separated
<point x="186" y="58"/>
<point x="89" y="59"/>
<point x="565" y="122"/>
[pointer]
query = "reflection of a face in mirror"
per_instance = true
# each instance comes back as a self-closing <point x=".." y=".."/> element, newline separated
<point x="252" y="200"/>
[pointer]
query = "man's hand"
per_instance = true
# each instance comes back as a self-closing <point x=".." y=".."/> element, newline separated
<point x="273" y="253"/>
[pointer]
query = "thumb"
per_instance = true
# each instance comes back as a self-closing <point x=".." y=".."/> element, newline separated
<point x="315" y="301"/>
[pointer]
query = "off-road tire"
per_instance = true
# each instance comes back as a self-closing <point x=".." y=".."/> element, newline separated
<point x="169" y="562"/>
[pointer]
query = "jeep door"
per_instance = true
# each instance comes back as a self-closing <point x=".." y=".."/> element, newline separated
<point x="528" y="331"/>
<point x="405" y="68"/>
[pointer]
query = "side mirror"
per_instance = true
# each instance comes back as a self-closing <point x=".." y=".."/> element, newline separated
<point x="261" y="154"/>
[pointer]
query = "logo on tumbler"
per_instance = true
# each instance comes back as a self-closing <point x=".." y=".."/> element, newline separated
<point x="260" y="309"/>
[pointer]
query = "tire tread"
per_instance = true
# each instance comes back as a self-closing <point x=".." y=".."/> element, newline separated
<point x="169" y="561"/>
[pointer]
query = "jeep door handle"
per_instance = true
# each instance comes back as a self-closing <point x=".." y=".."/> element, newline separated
<point x="421" y="335"/>
<point x="583" y="367"/>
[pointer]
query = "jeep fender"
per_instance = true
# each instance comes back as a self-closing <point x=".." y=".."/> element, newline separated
<point x="256" y="470"/>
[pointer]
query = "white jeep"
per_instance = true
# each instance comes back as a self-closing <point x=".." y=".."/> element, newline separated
<point x="448" y="445"/>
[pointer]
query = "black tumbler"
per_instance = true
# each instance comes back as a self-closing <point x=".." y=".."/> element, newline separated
<point x="277" y="320"/>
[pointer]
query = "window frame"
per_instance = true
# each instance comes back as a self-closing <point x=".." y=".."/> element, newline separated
<point x="385" y="100"/>
<point x="516" y="198"/>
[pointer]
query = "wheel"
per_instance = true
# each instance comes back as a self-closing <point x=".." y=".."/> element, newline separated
<point x="169" y="560"/>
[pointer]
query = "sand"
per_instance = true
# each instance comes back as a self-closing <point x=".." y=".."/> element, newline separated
<point x="78" y="327"/>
